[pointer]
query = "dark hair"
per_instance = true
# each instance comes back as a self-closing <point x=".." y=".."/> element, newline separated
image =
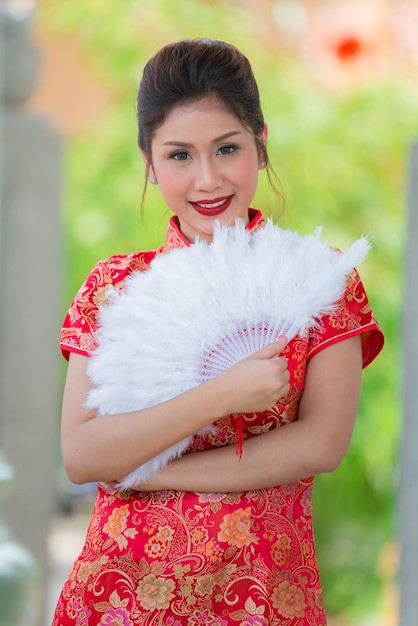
<point x="193" y="69"/>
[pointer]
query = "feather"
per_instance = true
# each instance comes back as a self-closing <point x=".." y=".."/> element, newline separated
<point x="199" y="310"/>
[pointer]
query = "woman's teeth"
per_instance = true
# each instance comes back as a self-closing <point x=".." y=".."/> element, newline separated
<point x="214" y="205"/>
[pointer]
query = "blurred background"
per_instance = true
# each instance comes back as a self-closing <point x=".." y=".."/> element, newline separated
<point x="339" y="87"/>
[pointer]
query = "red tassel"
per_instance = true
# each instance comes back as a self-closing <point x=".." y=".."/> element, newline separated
<point x="240" y="421"/>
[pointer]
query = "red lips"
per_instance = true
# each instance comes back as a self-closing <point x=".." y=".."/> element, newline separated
<point x="211" y="208"/>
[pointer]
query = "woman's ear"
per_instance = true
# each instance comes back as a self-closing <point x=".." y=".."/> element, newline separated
<point x="151" y="175"/>
<point x="264" y="134"/>
<point x="263" y="152"/>
<point x="149" y="169"/>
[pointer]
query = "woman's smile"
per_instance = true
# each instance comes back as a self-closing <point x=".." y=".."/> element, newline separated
<point x="212" y="208"/>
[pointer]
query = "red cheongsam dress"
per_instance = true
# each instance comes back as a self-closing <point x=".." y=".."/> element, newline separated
<point x="173" y="558"/>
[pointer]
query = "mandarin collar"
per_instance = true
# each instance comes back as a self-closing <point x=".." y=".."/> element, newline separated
<point x="176" y="239"/>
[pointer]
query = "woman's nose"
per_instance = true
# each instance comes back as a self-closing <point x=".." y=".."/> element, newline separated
<point x="208" y="176"/>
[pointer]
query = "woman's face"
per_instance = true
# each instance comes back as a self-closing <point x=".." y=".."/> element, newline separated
<point x="206" y="163"/>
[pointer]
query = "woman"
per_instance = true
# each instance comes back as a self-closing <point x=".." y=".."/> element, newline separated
<point x="211" y="539"/>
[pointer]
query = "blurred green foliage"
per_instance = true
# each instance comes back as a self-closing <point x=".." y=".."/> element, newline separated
<point x="341" y="160"/>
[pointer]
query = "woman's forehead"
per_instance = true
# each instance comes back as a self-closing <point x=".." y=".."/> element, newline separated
<point x="209" y="115"/>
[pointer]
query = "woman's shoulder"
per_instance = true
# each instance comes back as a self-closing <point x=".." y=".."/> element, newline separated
<point x="78" y="333"/>
<point x="112" y="272"/>
<point x="116" y="268"/>
<point x="352" y="315"/>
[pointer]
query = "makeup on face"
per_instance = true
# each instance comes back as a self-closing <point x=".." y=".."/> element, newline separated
<point x="206" y="163"/>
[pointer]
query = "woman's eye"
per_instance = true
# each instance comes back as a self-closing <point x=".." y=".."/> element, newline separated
<point x="180" y="156"/>
<point x="227" y="149"/>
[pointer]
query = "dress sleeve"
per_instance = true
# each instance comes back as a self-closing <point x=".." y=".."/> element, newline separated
<point x="78" y="332"/>
<point x="352" y="316"/>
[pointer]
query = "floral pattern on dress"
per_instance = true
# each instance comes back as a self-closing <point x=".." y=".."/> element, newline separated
<point x="219" y="558"/>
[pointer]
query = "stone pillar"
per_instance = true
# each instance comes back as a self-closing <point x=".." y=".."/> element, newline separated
<point x="408" y="499"/>
<point x="29" y="278"/>
<point x="20" y="590"/>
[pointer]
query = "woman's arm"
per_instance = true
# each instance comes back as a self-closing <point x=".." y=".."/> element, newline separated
<point x="316" y="443"/>
<point x="108" y="447"/>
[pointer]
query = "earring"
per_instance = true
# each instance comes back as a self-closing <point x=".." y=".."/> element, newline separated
<point x="153" y="180"/>
<point x="262" y="165"/>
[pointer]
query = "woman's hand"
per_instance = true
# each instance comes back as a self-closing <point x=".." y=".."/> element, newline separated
<point x="316" y="442"/>
<point x="100" y="448"/>
<point x="257" y="382"/>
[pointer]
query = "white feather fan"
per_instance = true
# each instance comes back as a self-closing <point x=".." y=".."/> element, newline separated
<point x="198" y="310"/>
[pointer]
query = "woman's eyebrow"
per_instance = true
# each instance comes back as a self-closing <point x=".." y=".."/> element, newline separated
<point x="185" y="144"/>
